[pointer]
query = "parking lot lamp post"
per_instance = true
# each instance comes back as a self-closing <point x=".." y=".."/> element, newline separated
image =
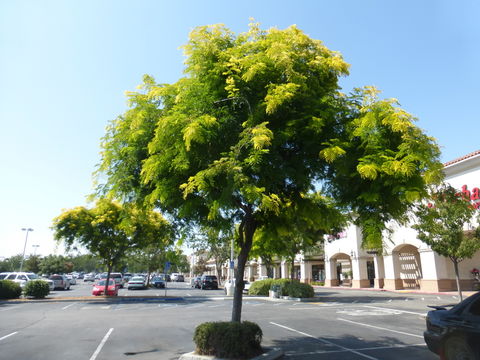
<point x="35" y="247"/>
<point x="25" y="246"/>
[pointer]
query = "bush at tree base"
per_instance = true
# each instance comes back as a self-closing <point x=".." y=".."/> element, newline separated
<point x="37" y="289"/>
<point x="231" y="340"/>
<point x="9" y="289"/>
<point x="286" y="287"/>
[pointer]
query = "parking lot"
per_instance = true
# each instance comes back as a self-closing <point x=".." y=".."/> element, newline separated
<point x="340" y="325"/>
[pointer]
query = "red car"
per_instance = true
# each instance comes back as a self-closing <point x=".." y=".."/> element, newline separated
<point x="99" y="288"/>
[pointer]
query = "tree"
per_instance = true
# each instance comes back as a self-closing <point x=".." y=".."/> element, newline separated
<point x="33" y="263"/>
<point x="11" y="264"/>
<point x="258" y="126"/>
<point x="109" y="230"/>
<point x="445" y="224"/>
<point x="200" y="265"/>
<point x="55" y="264"/>
<point x="214" y="244"/>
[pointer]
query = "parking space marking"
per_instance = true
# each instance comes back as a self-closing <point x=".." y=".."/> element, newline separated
<point x="66" y="307"/>
<point x="396" y="310"/>
<point x="6" y="336"/>
<point x="380" y="328"/>
<point x="318" y="352"/>
<point x="12" y="307"/>
<point x="100" y="346"/>
<point x="325" y="341"/>
<point x="214" y="306"/>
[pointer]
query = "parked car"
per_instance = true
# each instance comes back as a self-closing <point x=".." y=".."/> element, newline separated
<point x="195" y="282"/>
<point x="60" y="282"/>
<point x="89" y="277"/>
<point x="158" y="282"/>
<point x="165" y="277"/>
<point x="136" y="282"/>
<point x="231" y="282"/>
<point x="454" y="333"/>
<point x="99" y="288"/>
<point x="51" y="284"/>
<point x="177" y="277"/>
<point x="126" y="277"/>
<point x="209" y="282"/>
<point x="71" y="279"/>
<point x="21" y="277"/>
<point x="118" y="277"/>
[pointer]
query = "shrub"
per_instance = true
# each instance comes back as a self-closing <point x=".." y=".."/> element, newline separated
<point x="298" y="290"/>
<point x="228" y="339"/>
<point x="36" y="288"/>
<point x="318" y="283"/>
<point x="9" y="289"/>
<point x="260" y="287"/>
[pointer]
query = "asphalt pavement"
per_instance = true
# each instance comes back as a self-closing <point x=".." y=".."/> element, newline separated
<point x="143" y="324"/>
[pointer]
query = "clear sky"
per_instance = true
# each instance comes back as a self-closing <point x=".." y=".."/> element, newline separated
<point x="65" y="65"/>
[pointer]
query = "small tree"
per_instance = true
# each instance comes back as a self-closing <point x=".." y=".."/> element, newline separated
<point x="109" y="230"/>
<point x="54" y="264"/>
<point x="444" y="224"/>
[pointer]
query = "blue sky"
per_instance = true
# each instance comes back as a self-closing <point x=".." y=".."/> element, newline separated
<point x="65" y="65"/>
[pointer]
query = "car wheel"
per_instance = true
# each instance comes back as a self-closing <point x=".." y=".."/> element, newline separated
<point x="456" y="348"/>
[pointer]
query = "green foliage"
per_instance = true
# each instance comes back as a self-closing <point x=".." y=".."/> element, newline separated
<point x="318" y="283"/>
<point x="286" y="287"/>
<point x="260" y="287"/>
<point x="36" y="288"/>
<point x="32" y="264"/>
<point x="9" y="289"/>
<point x="230" y="340"/>
<point x="11" y="264"/>
<point x="54" y="264"/>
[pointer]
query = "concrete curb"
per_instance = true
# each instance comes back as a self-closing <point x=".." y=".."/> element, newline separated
<point x="405" y="291"/>
<point x="272" y="354"/>
<point x="99" y="299"/>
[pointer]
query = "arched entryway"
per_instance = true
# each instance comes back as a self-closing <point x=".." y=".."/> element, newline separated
<point x="407" y="267"/>
<point x="339" y="270"/>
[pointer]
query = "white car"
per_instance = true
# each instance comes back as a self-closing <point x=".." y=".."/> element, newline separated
<point x="21" y="277"/>
<point x="230" y="283"/>
<point x="71" y="279"/>
<point x="136" y="282"/>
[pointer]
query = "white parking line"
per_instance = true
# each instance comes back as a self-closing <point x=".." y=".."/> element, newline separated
<point x="100" y="346"/>
<point x="292" y="353"/>
<point x="380" y="328"/>
<point x="396" y="310"/>
<point x="12" y="307"/>
<point x="66" y="307"/>
<point x="189" y="294"/>
<point x="325" y="341"/>
<point x="6" y="336"/>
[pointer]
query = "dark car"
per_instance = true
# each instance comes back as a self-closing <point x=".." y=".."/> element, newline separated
<point x="158" y="282"/>
<point x="455" y="333"/>
<point x="209" y="282"/>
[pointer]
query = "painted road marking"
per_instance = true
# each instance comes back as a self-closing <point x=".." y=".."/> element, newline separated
<point x="100" y="346"/>
<point x="324" y="341"/>
<point x="381" y="328"/>
<point x="396" y="310"/>
<point x="12" y="307"/>
<point x="6" y="336"/>
<point x="291" y="353"/>
<point x="66" y="307"/>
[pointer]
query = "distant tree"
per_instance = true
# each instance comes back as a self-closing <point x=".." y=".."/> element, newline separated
<point x="108" y="230"/>
<point x="11" y="264"/>
<point x="54" y="264"/>
<point x="200" y="266"/>
<point x="32" y="264"/>
<point x="445" y="223"/>
<point x="86" y="263"/>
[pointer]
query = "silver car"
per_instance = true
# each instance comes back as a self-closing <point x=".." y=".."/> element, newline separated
<point x="60" y="282"/>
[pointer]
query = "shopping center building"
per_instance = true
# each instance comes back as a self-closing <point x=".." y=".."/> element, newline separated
<point x="405" y="263"/>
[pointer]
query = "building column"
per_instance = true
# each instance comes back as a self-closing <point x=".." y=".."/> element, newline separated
<point x="284" y="270"/>
<point x="434" y="273"/>
<point x="379" y="271"/>
<point x="392" y="279"/>
<point x="331" y="272"/>
<point x="359" y="270"/>
<point x="305" y="271"/>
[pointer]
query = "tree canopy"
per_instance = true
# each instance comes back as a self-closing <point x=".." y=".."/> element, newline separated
<point x="258" y="128"/>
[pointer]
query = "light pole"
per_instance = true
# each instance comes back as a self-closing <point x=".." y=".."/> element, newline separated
<point x="35" y="247"/>
<point x="25" y="246"/>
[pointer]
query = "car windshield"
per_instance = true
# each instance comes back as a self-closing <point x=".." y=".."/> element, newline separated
<point x="3" y="276"/>
<point x="102" y="282"/>
<point x="157" y="278"/>
<point x="33" y="276"/>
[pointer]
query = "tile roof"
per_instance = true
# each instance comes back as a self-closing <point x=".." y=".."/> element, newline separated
<point x="465" y="157"/>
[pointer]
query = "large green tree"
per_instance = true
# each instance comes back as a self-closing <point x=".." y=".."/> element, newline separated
<point x="55" y="264"/>
<point x="446" y="223"/>
<point x="108" y="230"/>
<point x="258" y="126"/>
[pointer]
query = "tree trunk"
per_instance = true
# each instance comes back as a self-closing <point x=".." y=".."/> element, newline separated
<point x="109" y="271"/>
<point x="248" y="231"/>
<point x="457" y="277"/>
<point x="292" y="269"/>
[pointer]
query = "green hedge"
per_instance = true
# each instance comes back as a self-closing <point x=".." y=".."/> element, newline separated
<point x="36" y="288"/>
<point x="286" y="287"/>
<point x="9" y="289"/>
<point x="231" y="340"/>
